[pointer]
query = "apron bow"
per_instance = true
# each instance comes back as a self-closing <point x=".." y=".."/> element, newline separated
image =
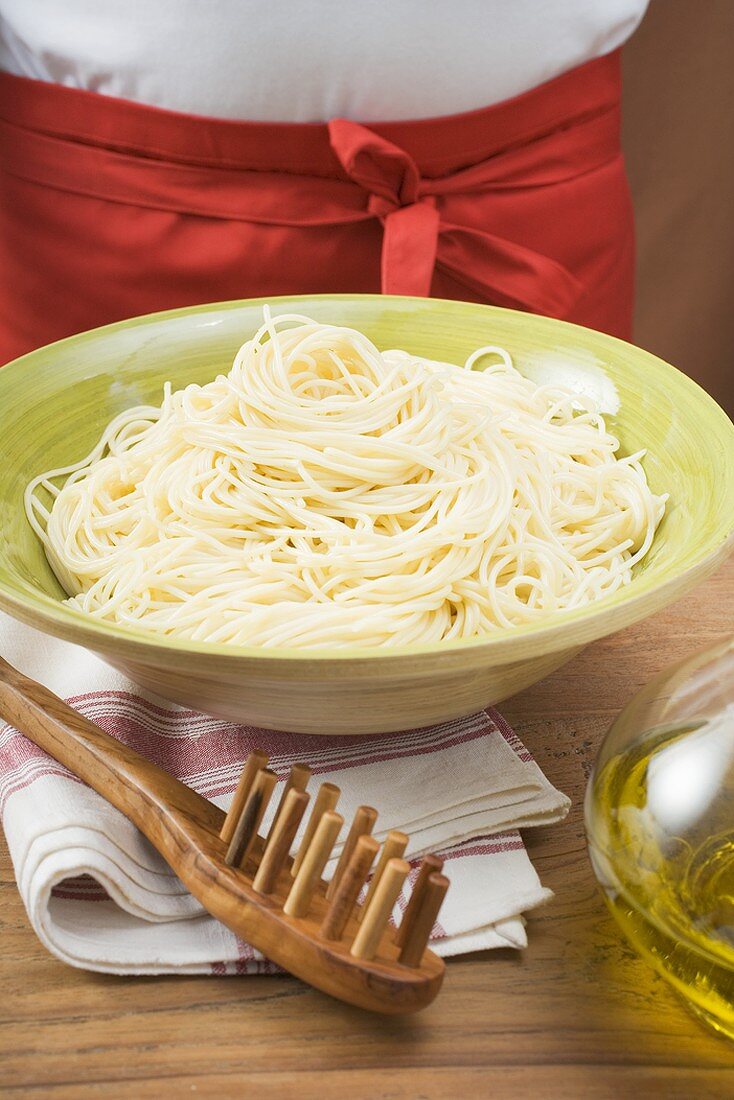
<point x="416" y="239"/>
<point x="393" y="184"/>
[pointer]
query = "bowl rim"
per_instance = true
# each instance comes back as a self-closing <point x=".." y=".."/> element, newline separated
<point x="625" y="606"/>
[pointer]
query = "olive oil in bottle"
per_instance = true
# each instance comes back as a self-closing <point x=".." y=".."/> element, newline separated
<point x="661" y="825"/>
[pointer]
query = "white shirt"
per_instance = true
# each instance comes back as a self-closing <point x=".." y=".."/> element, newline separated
<point x="309" y="60"/>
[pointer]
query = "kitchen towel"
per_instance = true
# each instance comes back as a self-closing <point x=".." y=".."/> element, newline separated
<point x="100" y="897"/>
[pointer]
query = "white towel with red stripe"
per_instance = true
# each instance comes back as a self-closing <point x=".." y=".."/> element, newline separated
<point x="100" y="897"/>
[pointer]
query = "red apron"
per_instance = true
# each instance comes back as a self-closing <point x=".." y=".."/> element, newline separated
<point x="110" y="208"/>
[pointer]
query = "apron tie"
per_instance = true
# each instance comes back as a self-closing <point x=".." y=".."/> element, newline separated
<point x="416" y="239"/>
<point x="410" y="219"/>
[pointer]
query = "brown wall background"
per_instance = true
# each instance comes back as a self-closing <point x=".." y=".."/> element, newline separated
<point x="678" y="135"/>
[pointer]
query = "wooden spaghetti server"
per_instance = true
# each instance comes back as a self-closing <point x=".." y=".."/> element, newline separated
<point x="280" y="904"/>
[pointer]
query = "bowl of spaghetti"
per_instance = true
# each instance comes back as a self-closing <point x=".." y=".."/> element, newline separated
<point x="352" y="513"/>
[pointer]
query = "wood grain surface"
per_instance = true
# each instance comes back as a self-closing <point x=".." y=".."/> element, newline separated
<point x="575" y="1015"/>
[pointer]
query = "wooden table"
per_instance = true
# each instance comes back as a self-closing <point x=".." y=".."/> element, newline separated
<point x="575" y="1015"/>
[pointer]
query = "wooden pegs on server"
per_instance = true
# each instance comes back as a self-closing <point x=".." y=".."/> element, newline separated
<point x="319" y="931"/>
<point x="329" y="938"/>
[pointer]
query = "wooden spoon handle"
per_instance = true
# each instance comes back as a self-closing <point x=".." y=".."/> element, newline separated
<point x="141" y="790"/>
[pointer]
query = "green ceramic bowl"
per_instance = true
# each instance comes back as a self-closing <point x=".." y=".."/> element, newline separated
<point x="55" y="402"/>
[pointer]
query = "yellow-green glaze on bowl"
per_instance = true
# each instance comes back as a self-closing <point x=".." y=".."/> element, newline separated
<point x="55" y="402"/>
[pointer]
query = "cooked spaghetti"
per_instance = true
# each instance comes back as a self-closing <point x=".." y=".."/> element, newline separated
<point x="324" y="493"/>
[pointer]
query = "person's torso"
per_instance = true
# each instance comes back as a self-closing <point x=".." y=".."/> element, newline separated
<point x="301" y="61"/>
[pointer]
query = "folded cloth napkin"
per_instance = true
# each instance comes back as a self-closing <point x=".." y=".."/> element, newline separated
<point x="100" y="897"/>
